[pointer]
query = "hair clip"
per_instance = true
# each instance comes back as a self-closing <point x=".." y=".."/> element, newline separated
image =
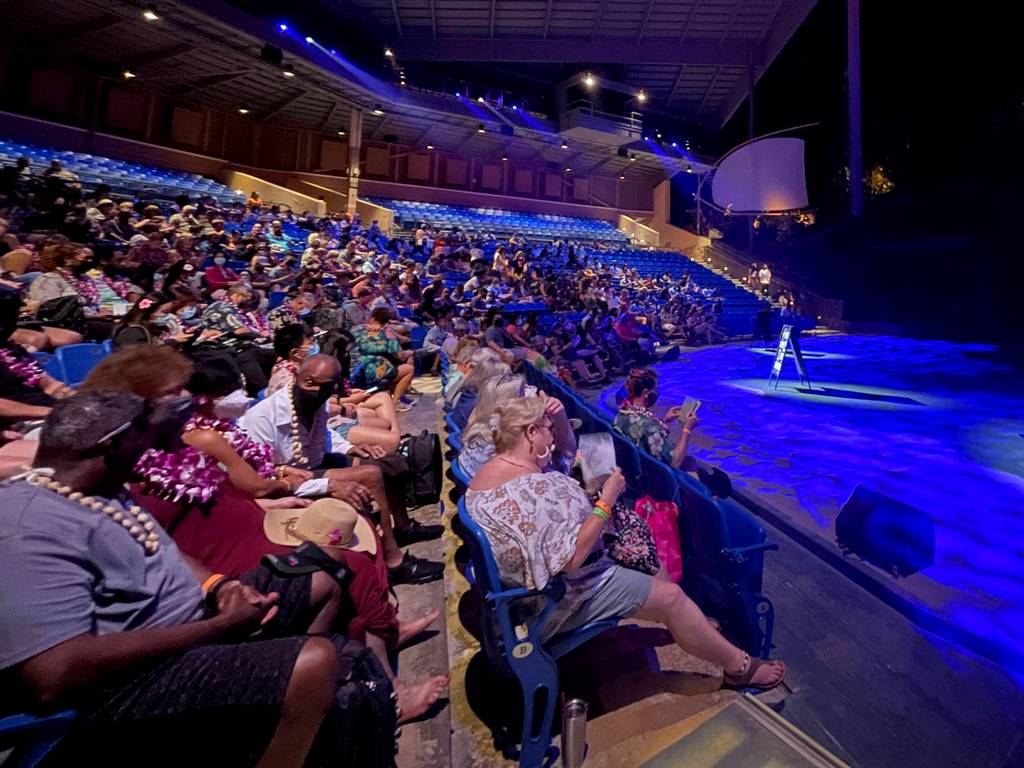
<point x="145" y="304"/>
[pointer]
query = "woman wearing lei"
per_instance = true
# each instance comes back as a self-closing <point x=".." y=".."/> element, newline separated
<point x="636" y="421"/>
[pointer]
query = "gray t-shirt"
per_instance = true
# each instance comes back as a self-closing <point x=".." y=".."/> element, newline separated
<point x="68" y="570"/>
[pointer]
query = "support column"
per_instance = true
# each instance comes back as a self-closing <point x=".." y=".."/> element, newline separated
<point x="355" y="144"/>
<point x="856" y="149"/>
<point x="751" y="81"/>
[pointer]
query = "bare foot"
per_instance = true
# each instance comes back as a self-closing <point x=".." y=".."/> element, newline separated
<point x="768" y="675"/>
<point x="409" y="629"/>
<point x="415" y="700"/>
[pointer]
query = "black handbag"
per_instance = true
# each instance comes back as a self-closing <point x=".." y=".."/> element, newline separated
<point x="631" y="543"/>
<point x="63" y="312"/>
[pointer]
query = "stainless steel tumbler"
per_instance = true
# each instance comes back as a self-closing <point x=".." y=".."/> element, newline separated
<point x="574" y="733"/>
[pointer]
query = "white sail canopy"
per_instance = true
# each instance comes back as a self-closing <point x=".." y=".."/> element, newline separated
<point x="764" y="176"/>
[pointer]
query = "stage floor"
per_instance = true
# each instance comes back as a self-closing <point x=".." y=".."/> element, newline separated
<point x="937" y="425"/>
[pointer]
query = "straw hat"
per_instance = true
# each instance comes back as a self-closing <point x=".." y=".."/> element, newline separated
<point x="328" y="523"/>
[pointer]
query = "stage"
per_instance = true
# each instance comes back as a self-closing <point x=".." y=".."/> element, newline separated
<point x="937" y="425"/>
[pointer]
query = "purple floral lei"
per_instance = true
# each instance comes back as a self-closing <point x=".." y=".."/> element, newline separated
<point x="84" y="286"/>
<point x="192" y="476"/>
<point x="25" y="368"/>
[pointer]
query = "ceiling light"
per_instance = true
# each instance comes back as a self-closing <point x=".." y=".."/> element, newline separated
<point x="128" y="74"/>
<point x="480" y="128"/>
<point x="149" y="13"/>
<point x="309" y="39"/>
<point x="568" y="169"/>
<point x="458" y="95"/>
<point x="515" y="108"/>
<point x="647" y="138"/>
<point x="642" y="96"/>
<point x="283" y="27"/>
<point x="389" y="53"/>
<point x="504" y="157"/>
<point x="341" y="133"/>
<point x="689" y="169"/>
<point x="378" y="109"/>
<point x="243" y="110"/>
<point x="622" y="177"/>
<point x="287" y="70"/>
<point x="589" y="80"/>
<point x="632" y="158"/>
<point x="675" y="145"/>
<point x="480" y="99"/>
<point x="565" y="145"/>
<point x="430" y="146"/>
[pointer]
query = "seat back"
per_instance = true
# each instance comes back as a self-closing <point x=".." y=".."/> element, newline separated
<point x="76" y="360"/>
<point x="659" y="481"/>
<point x="31" y="738"/>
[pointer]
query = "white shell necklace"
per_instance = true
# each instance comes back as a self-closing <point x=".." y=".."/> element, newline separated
<point x="138" y="524"/>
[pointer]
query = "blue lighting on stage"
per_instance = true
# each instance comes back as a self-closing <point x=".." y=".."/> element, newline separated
<point x="283" y="27"/>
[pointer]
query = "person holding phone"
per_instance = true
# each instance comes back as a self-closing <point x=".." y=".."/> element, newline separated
<point x="639" y="424"/>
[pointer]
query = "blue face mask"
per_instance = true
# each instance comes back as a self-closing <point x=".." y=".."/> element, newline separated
<point x="314" y="349"/>
<point x="187" y="313"/>
<point x="303" y="312"/>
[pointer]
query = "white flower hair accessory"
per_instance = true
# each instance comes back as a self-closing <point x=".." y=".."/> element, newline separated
<point x="493" y="423"/>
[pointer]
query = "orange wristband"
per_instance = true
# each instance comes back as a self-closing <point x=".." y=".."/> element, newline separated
<point x="687" y="431"/>
<point x="211" y="580"/>
<point x="603" y="505"/>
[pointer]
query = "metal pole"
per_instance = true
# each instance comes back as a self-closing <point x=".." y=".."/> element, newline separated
<point x="355" y="143"/>
<point x="856" y="149"/>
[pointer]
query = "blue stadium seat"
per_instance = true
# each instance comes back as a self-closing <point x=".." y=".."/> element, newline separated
<point x="76" y="360"/>
<point x="31" y="738"/>
<point x="513" y="644"/>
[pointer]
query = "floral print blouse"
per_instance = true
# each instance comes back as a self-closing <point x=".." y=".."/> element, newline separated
<point x="646" y="430"/>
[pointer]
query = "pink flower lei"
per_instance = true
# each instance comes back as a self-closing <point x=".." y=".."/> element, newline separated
<point x="25" y="368"/>
<point x="84" y="286"/>
<point x="259" y="456"/>
<point x="257" y="321"/>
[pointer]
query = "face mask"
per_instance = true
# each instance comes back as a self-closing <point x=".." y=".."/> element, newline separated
<point x="167" y="421"/>
<point x="314" y="349"/>
<point x="220" y="261"/>
<point x="652" y="398"/>
<point x="232" y="406"/>
<point x="310" y="401"/>
<point x="187" y="313"/>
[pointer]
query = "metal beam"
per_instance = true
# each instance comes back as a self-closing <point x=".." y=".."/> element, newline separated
<point x="707" y="92"/>
<point x="689" y="20"/>
<point x="647" y="17"/>
<point x="282" y="105"/>
<point x="68" y="32"/>
<point x="161" y="54"/>
<point x="494" y="3"/>
<point x="433" y="19"/>
<point x="398" y="21"/>
<point x="675" y="84"/>
<point x="330" y="116"/>
<point x="210" y="80"/>
<point x="547" y="19"/>
<point x="597" y="23"/>
<point x="607" y="50"/>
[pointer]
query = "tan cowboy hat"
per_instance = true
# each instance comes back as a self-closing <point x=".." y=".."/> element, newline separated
<point x="328" y="523"/>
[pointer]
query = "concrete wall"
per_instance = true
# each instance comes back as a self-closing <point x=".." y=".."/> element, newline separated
<point x="670" y="235"/>
<point x="274" y="193"/>
<point x="641" y="233"/>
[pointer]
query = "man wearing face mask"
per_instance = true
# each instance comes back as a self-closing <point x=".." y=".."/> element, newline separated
<point x="293" y="421"/>
<point x="101" y="611"/>
<point x="240" y="339"/>
<point x="636" y="421"/>
<point x="297" y="309"/>
<point x="219" y="276"/>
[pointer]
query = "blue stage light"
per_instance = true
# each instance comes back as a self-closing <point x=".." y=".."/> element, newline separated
<point x="283" y="27"/>
<point x="309" y="39"/>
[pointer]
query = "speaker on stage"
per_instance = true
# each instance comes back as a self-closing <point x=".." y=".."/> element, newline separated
<point x="886" y="532"/>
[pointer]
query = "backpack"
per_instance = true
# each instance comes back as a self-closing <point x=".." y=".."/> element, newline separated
<point x="422" y="454"/>
<point x="363" y="725"/>
<point x="62" y="312"/>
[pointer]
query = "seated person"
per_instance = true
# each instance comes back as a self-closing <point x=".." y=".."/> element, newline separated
<point x="110" y="618"/>
<point x="478" y="437"/>
<point x="218" y="277"/>
<point x="486" y="368"/>
<point x="241" y="336"/>
<point x="636" y="421"/>
<point x="293" y="422"/>
<point x="377" y="356"/>
<point x="542" y="526"/>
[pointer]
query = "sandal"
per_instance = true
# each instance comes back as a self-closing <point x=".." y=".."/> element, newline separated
<point x="744" y="678"/>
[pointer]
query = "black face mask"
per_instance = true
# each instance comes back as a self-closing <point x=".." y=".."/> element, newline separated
<point x="652" y="398"/>
<point x="309" y="401"/>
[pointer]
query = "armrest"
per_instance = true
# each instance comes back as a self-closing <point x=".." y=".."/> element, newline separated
<point x="739" y="554"/>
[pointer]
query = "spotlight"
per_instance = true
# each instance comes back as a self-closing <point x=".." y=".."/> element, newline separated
<point x="588" y="80"/>
<point x="565" y="145"/>
<point x="389" y="53"/>
<point x="480" y="128"/>
<point x="128" y="74"/>
<point x="647" y="138"/>
<point x="378" y="109"/>
<point x="341" y="133"/>
<point x="430" y="146"/>
<point x="149" y="13"/>
<point x="333" y="52"/>
<point x="283" y="27"/>
<point x="675" y="145"/>
<point x="515" y="108"/>
<point x="568" y="169"/>
<point x="504" y="158"/>
<point x="642" y="97"/>
<point x="622" y="177"/>
<point x="287" y="70"/>
<point x="458" y="95"/>
<point x="309" y="39"/>
<point x="632" y="158"/>
<point x="689" y="169"/>
<point x="479" y="99"/>
<point x="243" y="110"/>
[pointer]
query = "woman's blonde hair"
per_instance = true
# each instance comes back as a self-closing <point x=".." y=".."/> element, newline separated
<point x="514" y="416"/>
<point x="493" y="393"/>
<point x="465" y="348"/>
<point x="482" y="371"/>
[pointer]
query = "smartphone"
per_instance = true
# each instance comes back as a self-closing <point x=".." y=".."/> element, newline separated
<point x="690" y="405"/>
<point x="372" y="390"/>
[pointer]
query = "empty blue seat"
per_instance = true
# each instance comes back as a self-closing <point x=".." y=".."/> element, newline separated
<point x="30" y="739"/>
<point x="76" y="360"/>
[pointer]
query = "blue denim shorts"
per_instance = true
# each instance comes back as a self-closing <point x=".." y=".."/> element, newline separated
<point x="622" y="594"/>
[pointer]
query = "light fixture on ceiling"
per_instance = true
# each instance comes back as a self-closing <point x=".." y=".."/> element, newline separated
<point x="283" y="27"/>
<point x="632" y="158"/>
<point x="641" y="96"/>
<point x="622" y="177"/>
<point x="309" y="39"/>
<point x="504" y="158"/>
<point x="430" y="146"/>
<point x="378" y="109"/>
<point x="480" y="128"/>
<point x="127" y="74"/>
<point x="689" y="169"/>
<point x="480" y="99"/>
<point x="675" y="145"/>
<point x="515" y="108"/>
<point x="568" y="169"/>
<point x="149" y="13"/>
<point x="341" y="133"/>
<point x="243" y="110"/>
<point x="647" y="138"/>
<point x="287" y="71"/>
<point x="458" y="95"/>
<point x="389" y="53"/>
<point x="565" y="144"/>
<point x="589" y="80"/>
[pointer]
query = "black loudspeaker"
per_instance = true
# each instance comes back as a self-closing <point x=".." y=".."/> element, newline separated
<point x="507" y="130"/>
<point x="622" y="152"/>
<point x="886" y="532"/>
<point x="272" y="54"/>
